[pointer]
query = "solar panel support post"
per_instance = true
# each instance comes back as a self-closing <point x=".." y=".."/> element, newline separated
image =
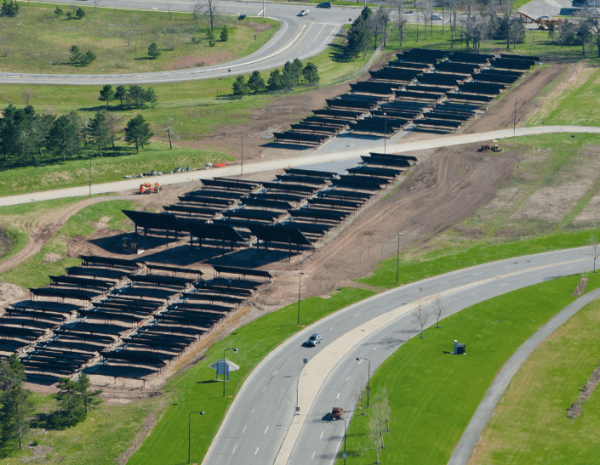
<point x="398" y="257"/>
<point x="299" y="294"/>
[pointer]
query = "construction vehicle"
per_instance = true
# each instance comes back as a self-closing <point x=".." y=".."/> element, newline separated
<point x="148" y="188"/>
<point x="493" y="147"/>
<point x="336" y="413"/>
<point x="543" y="22"/>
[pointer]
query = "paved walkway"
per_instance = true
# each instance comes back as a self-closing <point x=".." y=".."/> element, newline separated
<point x="483" y="413"/>
<point x="258" y="167"/>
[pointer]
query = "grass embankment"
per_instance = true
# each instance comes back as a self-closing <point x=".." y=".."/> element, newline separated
<point x="38" y="41"/>
<point x="107" y="169"/>
<point x="433" y="395"/>
<point x="52" y="258"/>
<point x="530" y="424"/>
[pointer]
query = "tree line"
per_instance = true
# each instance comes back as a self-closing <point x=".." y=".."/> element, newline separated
<point x="26" y="135"/>
<point x="133" y="97"/>
<point x="293" y="73"/>
<point x="74" y="401"/>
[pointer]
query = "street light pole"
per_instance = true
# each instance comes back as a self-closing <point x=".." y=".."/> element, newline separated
<point x="368" y="378"/>
<point x="224" y="350"/>
<point x="299" y="294"/>
<point x="398" y="257"/>
<point x="385" y="136"/>
<point x="90" y="157"/>
<point x="242" y="156"/>
<point x="190" y="435"/>
<point x="515" y="121"/>
<point x="345" y="431"/>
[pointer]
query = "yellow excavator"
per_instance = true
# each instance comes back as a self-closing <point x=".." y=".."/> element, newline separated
<point x="543" y="22"/>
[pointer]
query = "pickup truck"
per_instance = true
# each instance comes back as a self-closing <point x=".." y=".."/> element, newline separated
<point x="336" y="413"/>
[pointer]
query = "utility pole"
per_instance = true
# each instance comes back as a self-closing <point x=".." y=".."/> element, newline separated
<point x="90" y="157"/>
<point x="225" y="363"/>
<point x="242" y="156"/>
<point x="398" y="257"/>
<point x="515" y="120"/>
<point x="299" y="294"/>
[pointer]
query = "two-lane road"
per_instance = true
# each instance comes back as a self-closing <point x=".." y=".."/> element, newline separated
<point x="263" y="411"/>
<point x="298" y="37"/>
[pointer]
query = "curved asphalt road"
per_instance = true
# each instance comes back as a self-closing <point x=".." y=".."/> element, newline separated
<point x="298" y="37"/>
<point x="482" y="415"/>
<point x="261" y="415"/>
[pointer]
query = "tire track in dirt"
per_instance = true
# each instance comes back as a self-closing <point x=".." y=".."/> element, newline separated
<point x="44" y="229"/>
<point x="449" y="186"/>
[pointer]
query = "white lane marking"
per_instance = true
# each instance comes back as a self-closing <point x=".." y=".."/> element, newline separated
<point x="508" y="266"/>
<point x="331" y="328"/>
<point x="444" y="282"/>
<point x="275" y="372"/>
<point x="244" y="429"/>
<point x="374" y="348"/>
<point x="475" y="274"/>
<point x="503" y="284"/>
<point x="360" y="361"/>
<point x="267" y="429"/>
<point x="313" y="456"/>
<point x="347" y="378"/>
<point x="256" y="450"/>
<point x="264" y="388"/>
<point x="253" y="410"/>
<point x="338" y="396"/>
<point x="260" y="13"/>
<point x="234" y="449"/>
<point x="317" y="35"/>
<point x="322" y="433"/>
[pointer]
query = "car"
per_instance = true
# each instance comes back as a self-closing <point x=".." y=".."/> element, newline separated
<point x="324" y="5"/>
<point x="409" y="12"/>
<point x="303" y="13"/>
<point x="435" y="18"/>
<point x="314" y="340"/>
<point x="544" y="17"/>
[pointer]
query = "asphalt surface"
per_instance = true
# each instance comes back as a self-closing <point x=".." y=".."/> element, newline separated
<point x="469" y="439"/>
<point x="311" y="159"/>
<point x="298" y="37"/>
<point x="261" y="415"/>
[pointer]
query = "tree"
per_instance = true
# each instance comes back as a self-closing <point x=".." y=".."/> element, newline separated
<point x="114" y="125"/>
<point x="70" y="405"/>
<point x="274" y="81"/>
<point x="121" y="93"/>
<point x="107" y="94"/>
<point x="98" y="130"/>
<point x="593" y="20"/>
<point x="311" y="73"/>
<point x="27" y="96"/>
<point x="255" y="82"/>
<point x="240" y="88"/>
<point x="210" y="36"/>
<point x="373" y="428"/>
<point x="9" y="8"/>
<point x="136" y="96"/>
<point x="16" y="409"/>
<point x="58" y="12"/>
<point x="153" y="51"/>
<point x="382" y="404"/>
<point x="64" y="137"/>
<point x="150" y="97"/>
<point x="196" y="10"/>
<point x="296" y="69"/>
<point x="138" y="132"/>
<point x="168" y="127"/>
<point x="382" y="18"/>
<point x="583" y="35"/>
<point x="421" y="316"/>
<point x="89" y="399"/>
<point x="567" y="33"/>
<point x="401" y="21"/>
<point x="88" y="58"/>
<point x="76" y="55"/>
<point x="224" y="34"/>
<point x="80" y="13"/>
<point x="12" y="373"/>
<point x="210" y="7"/>
<point x="439" y="309"/>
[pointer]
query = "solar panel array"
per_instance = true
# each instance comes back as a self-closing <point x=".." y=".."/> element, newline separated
<point x="119" y="318"/>
<point x="402" y="95"/>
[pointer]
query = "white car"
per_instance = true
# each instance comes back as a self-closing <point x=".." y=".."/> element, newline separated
<point x="303" y="13"/>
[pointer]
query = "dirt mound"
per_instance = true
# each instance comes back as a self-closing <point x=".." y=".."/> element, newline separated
<point x="10" y="293"/>
<point x="258" y="28"/>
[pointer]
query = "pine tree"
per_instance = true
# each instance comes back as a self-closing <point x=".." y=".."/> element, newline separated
<point x="274" y="81"/>
<point x="296" y="70"/>
<point x="240" y="88"/>
<point x="210" y="35"/>
<point x="153" y="51"/>
<point x="89" y="398"/>
<point x="150" y="97"/>
<point x="16" y="403"/>
<point x="224" y="34"/>
<point x="256" y="83"/>
<point x="120" y="94"/>
<point x="80" y="13"/>
<point x="138" y="132"/>
<point x="311" y="73"/>
<point x="98" y="130"/>
<point x="107" y="94"/>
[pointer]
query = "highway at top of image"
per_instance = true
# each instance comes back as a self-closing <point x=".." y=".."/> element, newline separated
<point x="298" y="37"/>
<point x="260" y="418"/>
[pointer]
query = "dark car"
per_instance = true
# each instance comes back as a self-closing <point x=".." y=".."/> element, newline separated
<point x="324" y="5"/>
<point x="314" y="340"/>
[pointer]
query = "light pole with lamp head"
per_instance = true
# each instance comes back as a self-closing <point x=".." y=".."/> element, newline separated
<point x="224" y="362"/>
<point x="358" y="359"/>
<point x="299" y="293"/>
<point x="398" y="257"/>
<point x="386" y="134"/>
<point x="190" y="435"/>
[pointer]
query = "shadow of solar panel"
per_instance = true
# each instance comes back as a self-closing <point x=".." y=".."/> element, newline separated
<point x="471" y="97"/>
<point x="242" y="271"/>
<point x="418" y="95"/>
<point x="511" y="56"/>
<point x="336" y="203"/>
<point x="384" y="161"/>
<point x="107" y="261"/>
<point x="339" y="103"/>
<point x="300" y="137"/>
<point x="281" y="234"/>
<point x="440" y="79"/>
<point x="111" y="316"/>
<point x="215" y="193"/>
<point x="190" y="210"/>
<point x="315" y="128"/>
<point x="330" y="112"/>
<point x="252" y="202"/>
<point x="393" y="156"/>
<point x="328" y="215"/>
<point x="62" y="293"/>
<point x="83" y="282"/>
<point x="339" y="123"/>
<point x="338" y="193"/>
<point x="439" y="123"/>
<point x="23" y="333"/>
<point x="448" y="116"/>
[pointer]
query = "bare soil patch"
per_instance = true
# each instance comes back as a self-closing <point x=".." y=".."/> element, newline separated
<point x="258" y="27"/>
<point x="501" y="114"/>
<point x="575" y="410"/>
<point x="194" y="61"/>
<point x="590" y="214"/>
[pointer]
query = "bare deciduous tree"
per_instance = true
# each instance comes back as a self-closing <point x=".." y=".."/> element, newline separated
<point x="373" y="427"/>
<point x="168" y="127"/>
<point x="196" y="11"/>
<point x="439" y="309"/>
<point x="507" y="8"/>
<point x="421" y="316"/>
<point x="383" y="407"/>
<point x="210" y="8"/>
<point x="96" y="3"/>
<point x="114" y="123"/>
<point x="360" y="395"/>
<point x="401" y="22"/>
<point x="28" y="95"/>
<point x="382" y="18"/>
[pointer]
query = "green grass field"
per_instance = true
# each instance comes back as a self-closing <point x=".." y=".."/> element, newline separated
<point x="434" y="395"/>
<point x="38" y="41"/>
<point x="530" y="423"/>
<point x="52" y="258"/>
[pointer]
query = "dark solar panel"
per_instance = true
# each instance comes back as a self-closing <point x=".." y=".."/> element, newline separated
<point x="160" y="221"/>
<point x="459" y="68"/>
<point x="441" y="79"/>
<point x="265" y="215"/>
<point x="86" y="282"/>
<point x="330" y="112"/>
<point x="109" y="261"/>
<point x="291" y="178"/>
<point x="62" y="293"/>
<point x="229" y="184"/>
<point x="315" y="128"/>
<point x="279" y="196"/>
<point x="290" y="187"/>
<point x="372" y="171"/>
<point x="505" y="63"/>
<point x="418" y="95"/>
<point x="380" y="161"/>
<point x="276" y="205"/>
<point x="215" y="193"/>
<point x="439" y="123"/>
<point x="212" y="231"/>
<point x="278" y="233"/>
<point x="192" y="210"/>
<point x="310" y="173"/>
